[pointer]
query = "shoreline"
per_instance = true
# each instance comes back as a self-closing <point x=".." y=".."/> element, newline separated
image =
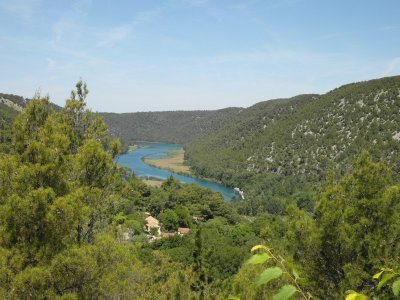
<point x="173" y="162"/>
<point x="211" y="180"/>
<point x="168" y="163"/>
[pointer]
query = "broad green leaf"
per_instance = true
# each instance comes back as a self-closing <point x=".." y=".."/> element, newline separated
<point x="233" y="298"/>
<point x="396" y="287"/>
<point x="258" y="259"/>
<point x="285" y="292"/>
<point x="257" y="247"/>
<point x="352" y="295"/>
<point x="268" y="275"/>
<point x="377" y="275"/>
<point x="385" y="278"/>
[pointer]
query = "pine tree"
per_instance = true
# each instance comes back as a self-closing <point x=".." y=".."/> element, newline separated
<point x="198" y="265"/>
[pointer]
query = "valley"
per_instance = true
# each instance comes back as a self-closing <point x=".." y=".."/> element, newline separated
<point x="320" y="176"/>
<point x="199" y="150"/>
<point x="137" y="159"/>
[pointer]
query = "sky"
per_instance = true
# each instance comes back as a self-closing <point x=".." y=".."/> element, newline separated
<point x="148" y="55"/>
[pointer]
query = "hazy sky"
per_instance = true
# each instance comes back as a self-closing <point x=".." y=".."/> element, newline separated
<point x="194" y="54"/>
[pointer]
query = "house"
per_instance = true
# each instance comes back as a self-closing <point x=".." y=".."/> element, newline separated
<point x="183" y="230"/>
<point x="151" y="223"/>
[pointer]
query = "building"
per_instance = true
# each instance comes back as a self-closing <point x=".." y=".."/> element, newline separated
<point x="183" y="230"/>
<point x="151" y="223"/>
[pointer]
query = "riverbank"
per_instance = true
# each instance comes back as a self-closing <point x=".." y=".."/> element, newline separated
<point x="134" y="161"/>
<point x="174" y="162"/>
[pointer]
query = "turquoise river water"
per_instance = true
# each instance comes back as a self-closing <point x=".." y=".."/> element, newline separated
<point x="133" y="160"/>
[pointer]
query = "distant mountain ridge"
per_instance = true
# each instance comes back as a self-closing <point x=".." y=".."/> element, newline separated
<point x="167" y="126"/>
<point x="305" y="135"/>
<point x="10" y="105"/>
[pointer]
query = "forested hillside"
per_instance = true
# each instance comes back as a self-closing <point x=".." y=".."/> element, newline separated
<point x="305" y="136"/>
<point x="10" y="106"/>
<point x="169" y="126"/>
<point x="75" y="225"/>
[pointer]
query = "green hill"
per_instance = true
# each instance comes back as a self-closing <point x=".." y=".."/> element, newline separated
<point x="304" y="135"/>
<point x="168" y="126"/>
<point x="71" y="220"/>
<point x="10" y="106"/>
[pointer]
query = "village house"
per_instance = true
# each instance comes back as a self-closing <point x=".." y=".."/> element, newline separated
<point x="151" y="223"/>
<point x="183" y="231"/>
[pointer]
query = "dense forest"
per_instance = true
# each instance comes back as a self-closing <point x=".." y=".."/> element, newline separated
<point x="298" y="140"/>
<point x="168" y="126"/>
<point x="73" y="222"/>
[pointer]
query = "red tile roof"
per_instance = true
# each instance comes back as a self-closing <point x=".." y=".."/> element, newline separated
<point x="183" y="230"/>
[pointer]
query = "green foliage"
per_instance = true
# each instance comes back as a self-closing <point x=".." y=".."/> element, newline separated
<point x="268" y="274"/>
<point x="258" y="258"/>
<point x="169" y="126"/>
<point x="396" y="287"/>
<point x="388" y="275"/>
<point x="71" y="220"/>
<point x="354" y="216"/>
<point x="186" y="201"/>
<point x="304" y="137"/>
<point x="169" y="219"/>
<point x="183" y="215"/>
<point x="263" y="254"/>
<point x="56" y="187"/>
<point x="352" y="295"/>
<point x="198" y="265"/>
<point x="286" y="292"/>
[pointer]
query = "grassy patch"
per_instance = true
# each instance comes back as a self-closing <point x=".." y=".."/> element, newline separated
<point x="173" y="162"/>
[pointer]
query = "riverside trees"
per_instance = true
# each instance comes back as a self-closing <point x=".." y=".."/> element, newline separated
<point x="64" y="203"/>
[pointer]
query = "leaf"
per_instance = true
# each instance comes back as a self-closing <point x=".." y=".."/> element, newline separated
<point x="295" y="273"/>
<point x="257" y="247"/>
<point x="377" y="275"/>
<point x="396" y="287"/>
<point x="285" y="292"/>
<point x="352" y="295"/>
<point x="385" y="278"/>
<point x="268" y="275"/>
<point x="233" y="298"/>
<point x="258" y="259"/>
<point x="302" y="281"/>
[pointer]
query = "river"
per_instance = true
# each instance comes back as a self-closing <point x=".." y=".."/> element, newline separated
<point x="133" y="160"/>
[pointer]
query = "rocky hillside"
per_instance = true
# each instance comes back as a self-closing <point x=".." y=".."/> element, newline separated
<point x="305" y="135"/>
<point x="10" y="106"/>
<point x="168" y="126"/>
